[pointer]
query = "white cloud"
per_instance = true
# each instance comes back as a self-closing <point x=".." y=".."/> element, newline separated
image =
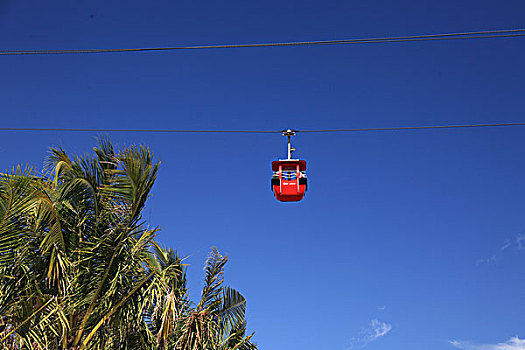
<point x="514" y="343"/>
<point x="519" y="241"/>
<point x="486" y="261"/>
<point x="506" y="244"/>
<point x="375" y="330"/>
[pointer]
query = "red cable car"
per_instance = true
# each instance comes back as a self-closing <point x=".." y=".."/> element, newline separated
<point x="289" y="182"/>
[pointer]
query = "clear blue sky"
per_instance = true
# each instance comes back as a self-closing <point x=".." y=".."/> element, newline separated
<point x="406" y="240"/>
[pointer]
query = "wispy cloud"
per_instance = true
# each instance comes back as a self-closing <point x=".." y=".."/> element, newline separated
<point x="514" y="343"/>
<point x="487" y="260"/>
<point x="506" y="244"/>
<point x="375" y="330"/>
<point x="518" y="243"/>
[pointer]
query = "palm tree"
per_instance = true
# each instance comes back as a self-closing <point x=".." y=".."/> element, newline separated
<point x="218" y="321"/>
<point x="80" y="267"/>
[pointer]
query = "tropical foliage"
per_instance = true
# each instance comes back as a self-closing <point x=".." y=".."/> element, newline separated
<point x="80" y="267"/>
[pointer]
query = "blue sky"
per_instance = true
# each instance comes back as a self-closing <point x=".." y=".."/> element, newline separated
<point x="406" y="240"/>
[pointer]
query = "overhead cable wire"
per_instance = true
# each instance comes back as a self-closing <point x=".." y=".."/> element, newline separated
<point x="143" y="130"/>
<point x="401" y="128"/>
<point x="195" y="131"/>
<point x="485" y="34"/>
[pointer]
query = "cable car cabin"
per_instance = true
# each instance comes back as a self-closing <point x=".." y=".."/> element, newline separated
<point x="289" y="180"/>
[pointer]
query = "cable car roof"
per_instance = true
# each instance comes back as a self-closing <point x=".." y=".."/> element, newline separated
<point x="288" y="163"/>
